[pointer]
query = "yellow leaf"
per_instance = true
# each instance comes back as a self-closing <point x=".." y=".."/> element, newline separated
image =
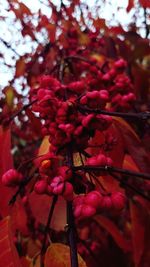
<point x="44" y="147"/>
<point x="9" y="93"/>
<point x="58" y="255"/>
<point x="98" y="57"/>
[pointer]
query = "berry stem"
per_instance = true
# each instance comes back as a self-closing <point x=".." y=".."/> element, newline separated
<point x="75" y="57"/>
<point x="7" y="121"/>
<point x="52" y="207"/>
<point x="130" y="115"/>
<point x="125" y="184"/>
<point x="144" y="176"/>
<point x="72" y="235"/>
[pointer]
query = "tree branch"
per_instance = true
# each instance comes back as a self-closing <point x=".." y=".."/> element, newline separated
<point x="52" y="207"/>
<point x="70" y="218"/>
<point x="106" y="169"/>
<point x="124" y="184"/>
<point x="139" y="115"/>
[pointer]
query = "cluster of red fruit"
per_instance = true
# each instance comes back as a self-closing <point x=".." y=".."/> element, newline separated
<point x="86" y="206"/>
<point x="61" y="110"/>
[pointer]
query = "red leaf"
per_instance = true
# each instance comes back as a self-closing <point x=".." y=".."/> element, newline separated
<point x="35" y="122"/>
<point x="130" y="5"/>
<point x="25" y="262"/>
<point x="112" y="229"/>
<point x="100" y="23"/>
<point x="40" y="205"/>
<point x="144" y="3"/>
<point x="117" y="155"/>
<point x="133" y="145"/>
<point x="8" y="254"/>
<point x="140" y="220"/>
<point x="19" y="217"/>
<point x="117" y="30"/>
<point x="6" y="163"/>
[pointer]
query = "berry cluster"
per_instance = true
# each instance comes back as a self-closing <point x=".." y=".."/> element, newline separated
<point x="68" y="116"/>
<point x="99" y="160"/>
<point x="86" y="206"/>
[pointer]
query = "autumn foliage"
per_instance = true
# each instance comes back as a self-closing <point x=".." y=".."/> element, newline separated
<point x="75" y="154"/>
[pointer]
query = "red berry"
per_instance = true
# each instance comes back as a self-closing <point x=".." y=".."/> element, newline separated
<point x="118" y="200"/>
<point x="40" y="187"/>
<point x="93" y="199"/>
<point x="88" y="211"/>
<point x="106" y="202"/>
<point x="68" y="192"/>
<point x="12" y="178"/>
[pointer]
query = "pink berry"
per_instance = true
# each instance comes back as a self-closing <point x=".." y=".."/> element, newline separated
<point x="68" y="192"/>
<point x="12" y="178"/>
<point x="106" y="202"/>
<point x="93" y="199"/>
<point x="118" y="200"/>
<point x="88" y="211"/>
<point x="40" y="187"/>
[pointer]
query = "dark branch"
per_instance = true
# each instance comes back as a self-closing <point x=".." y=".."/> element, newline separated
<point x="85" y="60"/>
<point x="106" y="169"/>
<point x="125" y="184"/>
<point x="140" y="115"/>
<point x="70" y="218"/>
<point x="51" y="211"/>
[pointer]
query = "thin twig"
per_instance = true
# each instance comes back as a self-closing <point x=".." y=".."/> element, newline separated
<point x="130" y="115"/>
<point x="22" y="185"/>
<point x="51" y="211"/>
<point x="106" y="169"/>
<point x="124" y="184"/>
<point x="76" y="57"/>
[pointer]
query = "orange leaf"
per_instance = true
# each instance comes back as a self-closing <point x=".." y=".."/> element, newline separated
<point x="33" y="247"/>
<point x="8" y="253"/>
<point x="58" y="255"/>
<point x="24" y="9"/>
<point x="133" y="145"/>
<point x="129" y="163"/>
<point x="44" y="147"/>
<point x="20" y="67"/>
<point x="112" y="229"/>
<point x="40" y="205"/>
